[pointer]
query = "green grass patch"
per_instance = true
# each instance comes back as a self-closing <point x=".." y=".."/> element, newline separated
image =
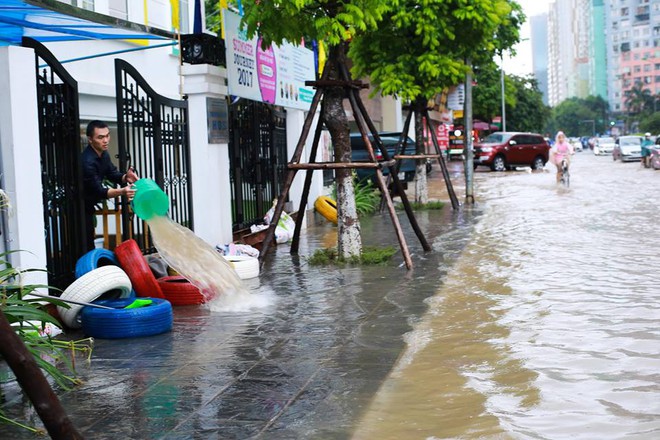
<point x="371" y="256"/>
<point x="416" y="206"/>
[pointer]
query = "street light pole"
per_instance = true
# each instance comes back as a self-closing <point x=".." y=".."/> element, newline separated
<point x="502" y="83"/>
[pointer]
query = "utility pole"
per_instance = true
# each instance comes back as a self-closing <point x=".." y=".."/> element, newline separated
<point x="469" y="148"/>
<point x="502" y="84"/>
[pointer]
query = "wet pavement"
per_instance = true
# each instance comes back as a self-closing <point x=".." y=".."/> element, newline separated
<point x="534" y="317"/>
<point x="305" y="367"/>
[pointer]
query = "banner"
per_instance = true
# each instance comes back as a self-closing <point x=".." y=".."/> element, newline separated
<point x="276" y="75"/>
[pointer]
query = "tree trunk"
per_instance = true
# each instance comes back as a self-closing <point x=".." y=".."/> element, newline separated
<point x="421" y="183"/>
<point x="349" y="242"/>
<point x="35" y="385"/>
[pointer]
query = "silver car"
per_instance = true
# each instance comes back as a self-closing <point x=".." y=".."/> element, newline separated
<point x="628" y="148"/>
<point x="604" y="146"/>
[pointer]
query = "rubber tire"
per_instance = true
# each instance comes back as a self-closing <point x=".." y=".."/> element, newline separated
<point x="499" y="164"/>
<point x="327" y="208"/>
<point x="150" y="320"/>
<point x="133" y="262"/>
<point x="245" y="266"/>
<point x="94" y="259"/>
<point x="95" y="284"/>
<point x="180" y="292"/>
<point x="538" y="163"/>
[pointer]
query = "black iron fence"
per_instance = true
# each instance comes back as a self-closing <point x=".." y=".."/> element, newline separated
<point x="153" y="138"/>
<point x="61" y="174"/>
<point x="258" y="159"/>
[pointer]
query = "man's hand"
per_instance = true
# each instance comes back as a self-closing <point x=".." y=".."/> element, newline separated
<point x="131" y="176"/>
<point x="128" y="192"/>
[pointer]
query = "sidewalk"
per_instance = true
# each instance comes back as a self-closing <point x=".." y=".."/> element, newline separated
<point x="305" y="368"/>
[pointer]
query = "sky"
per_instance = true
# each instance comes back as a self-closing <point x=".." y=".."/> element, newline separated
<point x="521" y="64"/>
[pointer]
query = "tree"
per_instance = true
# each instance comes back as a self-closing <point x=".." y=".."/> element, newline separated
<point x="420" y="49"/>
<point x="650" y="123"/>
<point x="528" y="112"/>
<point x="570" y="114"/>
<point x="638" y="99"/>
<point x="336" y="22"/>
<point x="524" y="101"/>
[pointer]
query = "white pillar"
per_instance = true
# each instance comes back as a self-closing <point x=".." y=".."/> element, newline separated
<point x="209" y="162"/>
<point x="20" y="161"/>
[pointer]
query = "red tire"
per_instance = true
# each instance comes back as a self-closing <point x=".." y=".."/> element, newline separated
<point x="180" y="292"/>
<point x="135" y="265"/>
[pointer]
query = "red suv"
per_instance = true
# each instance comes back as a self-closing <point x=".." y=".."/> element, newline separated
<point x="501" y="150"/>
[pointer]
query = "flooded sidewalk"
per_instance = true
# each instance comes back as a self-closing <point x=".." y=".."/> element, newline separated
<point x="306" y="367"/>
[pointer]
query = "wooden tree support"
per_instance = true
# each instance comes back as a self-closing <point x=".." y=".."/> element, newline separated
<point x="34" y="384"/>
<point x="438" y="154"/>
<point x="364" y="122"/>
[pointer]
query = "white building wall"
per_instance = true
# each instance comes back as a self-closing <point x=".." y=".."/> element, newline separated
<point x="23" y="224"/>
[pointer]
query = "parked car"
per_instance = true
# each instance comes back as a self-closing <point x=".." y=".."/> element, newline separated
<point x="604" y="146"/>
<point x="576" y="143"/>
<point x="501" y="150"/>
<point x="390" y="141"/>
<point x="628" y="148"/>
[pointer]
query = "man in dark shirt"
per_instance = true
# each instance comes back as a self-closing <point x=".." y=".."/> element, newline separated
<point x="96" y="167"/>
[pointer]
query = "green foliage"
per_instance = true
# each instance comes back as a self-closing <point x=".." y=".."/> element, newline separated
<point x="370" y="256"/>
<point x="29" y="316"/>
<point x="650" y="123"/>
<point x="580" y="116"/>
<point x="367" y="196"/>
<point x="525" y="110"/>
<point x="429" y="206"/>
<point x="528" y="112"/>
<point x="420" y="49"/>
<point x="332" y="21"/>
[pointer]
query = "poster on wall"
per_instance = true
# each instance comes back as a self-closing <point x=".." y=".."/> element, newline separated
<point x="276" y="75"/>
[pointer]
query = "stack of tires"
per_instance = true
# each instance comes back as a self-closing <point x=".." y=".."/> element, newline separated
<point x="113" y="280"/>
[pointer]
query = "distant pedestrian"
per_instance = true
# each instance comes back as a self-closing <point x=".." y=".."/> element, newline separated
<point x="561" y="150"/>
<point x="647" y="143"/>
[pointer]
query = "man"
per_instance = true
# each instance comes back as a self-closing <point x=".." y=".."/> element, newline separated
<point x="647" y="143"/>
<point x="96" y="166"/>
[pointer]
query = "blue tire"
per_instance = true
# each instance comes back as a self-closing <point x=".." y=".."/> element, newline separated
<point x="94" y="259"/>
<point x="150" y="320"/>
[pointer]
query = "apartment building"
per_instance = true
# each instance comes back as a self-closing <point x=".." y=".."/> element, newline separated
<point x="633" y="48"/>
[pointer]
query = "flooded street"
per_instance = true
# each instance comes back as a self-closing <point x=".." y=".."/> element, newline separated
<point x="546" y="326"/>
<point x="534" y="317"/>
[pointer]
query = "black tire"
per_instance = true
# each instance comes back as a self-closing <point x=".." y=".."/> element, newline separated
<point x="94" y="259"/>
<point x="538" y="163"/>
<point x="499" y="164"/>
<point x="150" y="320"/>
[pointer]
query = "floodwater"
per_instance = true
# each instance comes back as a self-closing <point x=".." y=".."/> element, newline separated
<point x="534" y="317"/>
<point x="546" y="327"/>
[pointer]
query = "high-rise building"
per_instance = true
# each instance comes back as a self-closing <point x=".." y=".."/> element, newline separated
<point x="539" y="36"/>
<point x="598" y="51"/>
<point x="569" y="30"/>
<point x="633" y="48"/>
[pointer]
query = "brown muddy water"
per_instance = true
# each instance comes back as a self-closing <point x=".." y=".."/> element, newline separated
<point x="546" y="327"/>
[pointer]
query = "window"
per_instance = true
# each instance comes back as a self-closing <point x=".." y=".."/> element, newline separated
<point x="657" y="78"/>
<point x="657" y="66"/>
<point x="624" y="12"/>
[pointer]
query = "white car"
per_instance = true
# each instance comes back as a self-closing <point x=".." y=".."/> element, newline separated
<point x="577" y="145"/>
<point x="604" y="146"/>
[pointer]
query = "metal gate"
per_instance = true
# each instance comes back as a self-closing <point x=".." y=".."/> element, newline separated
<point x="153" y="138"/>
<point x="61" y="175"/>
<point x="258" y="159"/>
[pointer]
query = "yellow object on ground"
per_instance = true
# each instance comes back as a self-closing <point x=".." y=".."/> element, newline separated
<point x="327" y="208"/>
